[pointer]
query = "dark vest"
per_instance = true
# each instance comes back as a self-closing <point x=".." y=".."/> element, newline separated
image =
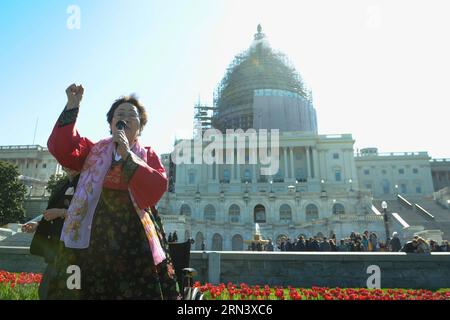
<point x="46" y="241"/>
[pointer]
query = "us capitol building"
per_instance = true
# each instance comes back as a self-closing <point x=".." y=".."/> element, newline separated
<point x="322" y="186"/>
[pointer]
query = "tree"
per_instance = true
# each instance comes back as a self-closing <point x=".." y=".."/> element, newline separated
<point x="12" y="194"/>
<point x="55" y="182"/>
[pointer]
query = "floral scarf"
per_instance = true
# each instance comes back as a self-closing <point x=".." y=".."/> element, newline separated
<point x="77" y="226"/>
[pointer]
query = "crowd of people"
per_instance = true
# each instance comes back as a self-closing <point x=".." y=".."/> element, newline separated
<point x="355" y="242"/>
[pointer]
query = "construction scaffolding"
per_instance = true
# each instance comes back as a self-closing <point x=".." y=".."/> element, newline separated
<point x="259" y="67"/>
<point x="202" y="118"/>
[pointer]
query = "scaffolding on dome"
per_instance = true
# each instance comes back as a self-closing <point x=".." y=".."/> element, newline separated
<point x="259" y="67"/>
<point x="202" y="118"/>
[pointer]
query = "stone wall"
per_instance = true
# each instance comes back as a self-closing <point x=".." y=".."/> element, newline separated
<point x="306" y="269"/>
<point x="19" y="259"/>
<point x="300" y="269"/>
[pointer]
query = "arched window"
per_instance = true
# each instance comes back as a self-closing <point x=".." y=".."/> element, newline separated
<point x="209" y="213"/>
<point x="187" y="235"/>
<point x="235" y="213"/>
<point x="259" y="214"/>
<point x="338" y="209"/>
<point x="312" y="213"/>
<point x="285" y="213"/>
<point x="237" y="243"/>
<point x="185" y="210"/>
<point x="198" y="241"/>
<point x="217" y="242"/>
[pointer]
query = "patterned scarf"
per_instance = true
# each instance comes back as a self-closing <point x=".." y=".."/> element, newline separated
<point x="77" y="226"/>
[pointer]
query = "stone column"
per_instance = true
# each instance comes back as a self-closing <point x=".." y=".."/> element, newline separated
<point x="210" y="172"/>
<point x="316" y="163"/>
<point x="323" y="168"/>
<point x="238" y="173"/>
<point x="217" y="173"/>
<point x="291" y="151"/>
<point x="286" y="173"/>
<point x="308" y="165"/>
<point x="233" y="167"/>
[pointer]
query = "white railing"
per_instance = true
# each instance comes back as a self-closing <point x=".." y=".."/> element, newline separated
<point x="391" y="154"/>
<point x="375" y="210"/>
<point x="400" y="220"/>
<point x="172" y="218"/>
<point x="23" y="147"/>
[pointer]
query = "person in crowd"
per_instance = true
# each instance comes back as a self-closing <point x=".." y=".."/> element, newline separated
<point x="332" y="245"/>
<point x="342" y="247"/>
<point x="112" y="230"/>
<point x="301" y="245"/>
<point x="315" y="246"/>
<point x="269" y="246"/>
<point x="203" y="245"/>
<point x="422" y="246"/>
<point x="175" y="236"/>
<point x="373" y="239"/>
<point x="395" y="244"/>
<point x="445" y="246"/>
<point x="259" y="247"/>
<point x="434" y="247"/>
<point x="289" y="245"/>
<point x="45" y="242"/>
<point x="410" y="246"/>
<point x="358" y="246"/>
<point x="325" y="245"/>
<point x="308" y="244"/>
<point x="365" y="242"/>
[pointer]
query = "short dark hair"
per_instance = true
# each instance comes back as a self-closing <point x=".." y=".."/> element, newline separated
<point x="135" y="102"/>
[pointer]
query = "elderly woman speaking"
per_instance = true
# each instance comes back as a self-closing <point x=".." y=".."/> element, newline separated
<point x="111" y="222"/>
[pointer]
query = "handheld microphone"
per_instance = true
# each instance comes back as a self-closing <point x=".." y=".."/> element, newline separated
<point x="120" y="125"/>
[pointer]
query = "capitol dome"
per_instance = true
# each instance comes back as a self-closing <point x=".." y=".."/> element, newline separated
<point x="242" y="97"/>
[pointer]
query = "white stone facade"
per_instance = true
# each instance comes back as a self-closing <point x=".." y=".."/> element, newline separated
<point x="315" y="191"/>
<point x="389" y="174"/>
<point x="35" y="164"/>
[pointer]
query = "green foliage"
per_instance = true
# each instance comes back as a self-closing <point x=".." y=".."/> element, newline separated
<point x="55" y="182"/>
<point x="12" y="194"/>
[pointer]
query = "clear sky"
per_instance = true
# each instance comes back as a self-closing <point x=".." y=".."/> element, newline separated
<point x="379" y="70"/>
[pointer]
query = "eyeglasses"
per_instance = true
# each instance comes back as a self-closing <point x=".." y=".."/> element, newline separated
<point x="127" y="118"/>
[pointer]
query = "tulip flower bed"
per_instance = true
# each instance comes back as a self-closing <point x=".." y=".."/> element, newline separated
<point x="246" y="292"/>
<point x="24" y="286"/>
<point x="19" y="286"/>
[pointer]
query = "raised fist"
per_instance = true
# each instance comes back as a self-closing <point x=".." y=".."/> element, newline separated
<point x="74" y="96"/>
